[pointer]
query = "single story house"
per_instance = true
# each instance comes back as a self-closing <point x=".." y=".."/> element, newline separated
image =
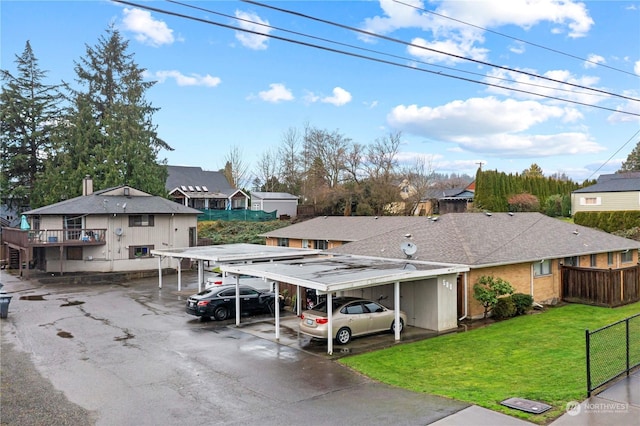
<point x="526" y="249"/>
<point x="325" y="232"/>
<point x="110" y="230"/>
<point x="612" y="192"/>
<point x="203" y="189"/>
<point x="283" y="203"/>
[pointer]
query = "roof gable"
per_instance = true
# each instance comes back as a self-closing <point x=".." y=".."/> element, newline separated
<point x="192" y="178"/>
<point x="115" y="201"/>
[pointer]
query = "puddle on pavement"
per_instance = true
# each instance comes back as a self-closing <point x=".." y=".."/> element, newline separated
<point x="33" y="297"/>
<point x="65" y="334"/>
<point x="72" y="303"/>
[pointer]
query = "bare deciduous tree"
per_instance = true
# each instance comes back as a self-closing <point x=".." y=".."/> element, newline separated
<point x="236" y="170"/>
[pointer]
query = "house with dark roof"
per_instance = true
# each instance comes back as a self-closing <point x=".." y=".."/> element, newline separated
<point x="612" y="192"/>
<point x="109" y="230"/>
<point x="327" y="232"/>
<point x="283" y="203"/>
<point x="203" y="189"/>
<point x="526" y="249"/>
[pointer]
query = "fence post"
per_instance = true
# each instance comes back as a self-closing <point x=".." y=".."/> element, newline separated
<point x="588" y="364"/>
<point x="627" y="329"/>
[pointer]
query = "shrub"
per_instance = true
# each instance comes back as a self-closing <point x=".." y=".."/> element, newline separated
<point x="488" y="289"/>
<point x="505" y="308"/>
<point x="523" y="302"/>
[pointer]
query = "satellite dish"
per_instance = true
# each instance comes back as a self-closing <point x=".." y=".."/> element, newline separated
<point x="408" y="248"/>
<point x="118" y="232"/>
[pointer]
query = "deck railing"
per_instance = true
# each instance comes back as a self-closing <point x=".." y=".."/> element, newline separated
<point x="53" y="237"/>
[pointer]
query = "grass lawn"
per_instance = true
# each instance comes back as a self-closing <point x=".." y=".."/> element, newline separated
<point x="539" y="357"/>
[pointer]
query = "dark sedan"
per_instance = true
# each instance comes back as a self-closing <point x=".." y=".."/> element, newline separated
<point x="219" y="302"/>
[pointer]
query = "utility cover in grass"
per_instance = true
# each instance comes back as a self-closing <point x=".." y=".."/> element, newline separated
<point x="527" y="405"/>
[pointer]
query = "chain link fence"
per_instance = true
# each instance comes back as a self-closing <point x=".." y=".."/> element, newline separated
<point x="612" y="351"/>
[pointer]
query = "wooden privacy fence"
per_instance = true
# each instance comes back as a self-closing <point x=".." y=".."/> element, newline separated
<point x="602" y="287"/>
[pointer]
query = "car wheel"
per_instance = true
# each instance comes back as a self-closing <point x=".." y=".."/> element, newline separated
<point x="221" y="313"/>
<point x="393" y="326"/>
<point x="344" y="336"/>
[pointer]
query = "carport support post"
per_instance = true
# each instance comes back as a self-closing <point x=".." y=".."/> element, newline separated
<point x="159" y="271"/>
<point x="277" y="305"/>
<point x="396" y="308"/>
<point x="298" y="304"/>
<point x="200" y="274"/>
<point x="179" y="274"/>
<point x="330" y="324"/>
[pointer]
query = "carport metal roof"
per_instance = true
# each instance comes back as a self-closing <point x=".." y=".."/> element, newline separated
<point x="227" y="253"/>
<point x="338" y="273"/>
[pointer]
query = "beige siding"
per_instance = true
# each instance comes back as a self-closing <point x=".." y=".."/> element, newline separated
<point x="168" y="232"/>
<point x="607" y="201"/>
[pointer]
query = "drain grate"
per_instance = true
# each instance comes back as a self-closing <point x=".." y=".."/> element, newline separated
<point x="527" y="405"/>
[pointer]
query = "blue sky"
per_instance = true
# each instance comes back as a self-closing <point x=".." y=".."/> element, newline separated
<point x="219" y="88"/>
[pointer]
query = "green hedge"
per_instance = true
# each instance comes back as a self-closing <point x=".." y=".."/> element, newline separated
<point x="609" y="221"/>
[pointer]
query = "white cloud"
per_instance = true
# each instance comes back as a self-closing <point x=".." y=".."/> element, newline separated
<point x="628" y="106"/>
<point x="187" y="80"/>
<point x="147" y="30"/>
<point x="340" y="97"/>
<point x="493" y="127"/>
<point x="252" y="22"/>
<point x="454" y="36"/>
<point x="277" y="93"/>
<point x="544" y="87"/>
<point x="429" y="51"/>
<point x="594" y="60"/>
<point x="636" y="67"/>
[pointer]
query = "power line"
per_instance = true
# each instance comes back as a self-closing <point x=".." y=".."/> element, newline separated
<point x="355" y="55"/>
<point x="614" y="154"/>
<point x="369" y="33"/>
<point x="382" y="53"/>
<point x="516" y="38"/>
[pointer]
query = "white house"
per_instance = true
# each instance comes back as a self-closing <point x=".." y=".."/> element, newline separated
<point x="285" y="204"/>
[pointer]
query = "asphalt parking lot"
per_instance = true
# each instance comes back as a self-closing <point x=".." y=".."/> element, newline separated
<point x="127" y="353"/>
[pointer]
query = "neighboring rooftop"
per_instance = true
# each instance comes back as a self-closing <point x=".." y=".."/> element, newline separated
<point x="479" y="239"/>
<point x="343" y="228"/>
<point x="195" y="180"/>
<point x="615" y="182"/>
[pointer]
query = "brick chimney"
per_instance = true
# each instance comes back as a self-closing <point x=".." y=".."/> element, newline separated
<point x="87" y="185"/>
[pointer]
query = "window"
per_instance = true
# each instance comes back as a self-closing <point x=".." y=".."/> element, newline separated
<point x="283" y="242"/>
<point x="320" y="244"/>
<point x="542" y="268"/>
<point x="305" y="244"/>
<point x="137" y="252"/>
<point x="610" y="258"/>
<point x="73" y="226"/>
<point x="74" y="253"/>
<point x="353" y="309"/>
<point x="594" y="260"/>
<point x="571" y="261"/>
<point x="626" y="256"/>
<point x="141" y="220"/>
<point x="590" y="201"/>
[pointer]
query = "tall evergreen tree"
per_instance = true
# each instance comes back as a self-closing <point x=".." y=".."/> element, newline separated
<point x="29" y="110"/>
<point x="109" y="133"/>
<point x="633" y="161"/>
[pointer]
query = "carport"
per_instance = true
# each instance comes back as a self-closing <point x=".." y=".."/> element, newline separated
<point x="333" y="274"/>
<point x="226" y="253"/>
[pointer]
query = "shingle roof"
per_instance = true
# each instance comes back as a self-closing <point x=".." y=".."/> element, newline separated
<point x="475" y="239"/>
<point x="214" y="182"/>
<point x="343" y="228"/>
<point x="616" y="182"/>
<point x="100" y="202"/>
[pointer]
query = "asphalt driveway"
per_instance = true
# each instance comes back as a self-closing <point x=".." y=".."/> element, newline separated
<point x="126" y="353"/>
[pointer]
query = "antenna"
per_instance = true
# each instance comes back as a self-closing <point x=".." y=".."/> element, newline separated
<point x="408" y="248"/>
<point x="118" y="231"/>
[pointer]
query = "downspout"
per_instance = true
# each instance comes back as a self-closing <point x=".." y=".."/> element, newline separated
<point x="466" y="298"/>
